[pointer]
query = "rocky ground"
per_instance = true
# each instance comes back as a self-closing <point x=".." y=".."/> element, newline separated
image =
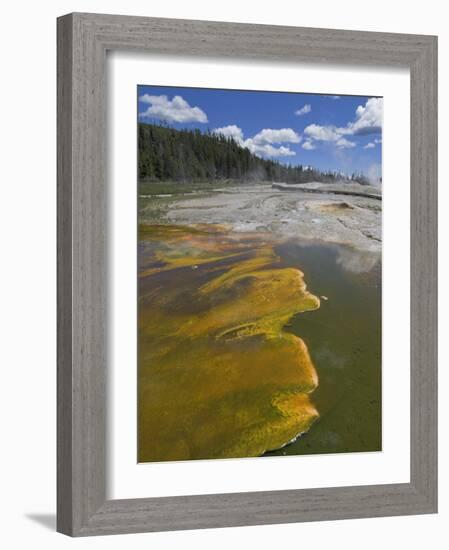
<point x="339" y="213"/>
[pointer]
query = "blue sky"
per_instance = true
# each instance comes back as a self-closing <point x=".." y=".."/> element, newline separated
<point x="325" y="131"/>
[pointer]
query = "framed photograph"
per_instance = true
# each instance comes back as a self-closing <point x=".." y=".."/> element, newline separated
<point x="247" y="282"/>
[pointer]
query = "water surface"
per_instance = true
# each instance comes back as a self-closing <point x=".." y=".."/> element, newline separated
<point x="344" y="341"/>
<point x="252" y="344"/>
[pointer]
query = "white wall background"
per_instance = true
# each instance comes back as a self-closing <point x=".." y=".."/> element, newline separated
<point x="27" y="290"/>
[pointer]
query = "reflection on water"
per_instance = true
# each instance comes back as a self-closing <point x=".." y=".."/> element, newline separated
<point x="357" y="261"/>
<point x="344" y="340"/>
<point x="232" y="345"/>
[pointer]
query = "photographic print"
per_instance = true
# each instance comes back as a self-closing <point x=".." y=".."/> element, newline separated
<point x="259" y="273"/>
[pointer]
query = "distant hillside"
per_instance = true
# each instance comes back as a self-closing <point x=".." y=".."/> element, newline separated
<point x="166" y="154"/>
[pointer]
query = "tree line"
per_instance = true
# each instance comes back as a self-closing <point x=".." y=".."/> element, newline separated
<point x="168" y="154"/>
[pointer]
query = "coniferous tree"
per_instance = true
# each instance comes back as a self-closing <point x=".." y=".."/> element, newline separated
<point x="167" y="154"/>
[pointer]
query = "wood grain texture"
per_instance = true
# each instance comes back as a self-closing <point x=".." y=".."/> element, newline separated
<point x="64" y="277"/>
<point x="423" y="287"/>
<point x="83" y="40"/>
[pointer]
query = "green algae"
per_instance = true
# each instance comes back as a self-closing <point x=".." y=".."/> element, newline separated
<point x="218" y="375"/>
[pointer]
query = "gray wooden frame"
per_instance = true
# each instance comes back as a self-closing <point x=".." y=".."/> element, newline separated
<point x="83" y="40"/>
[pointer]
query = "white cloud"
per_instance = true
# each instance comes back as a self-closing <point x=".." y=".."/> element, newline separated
<point x="327" y="133"/>
<point x="283" y="135"/>
<point x="343" y="143"/>
<point x="304" y="110"/>
<point x="262" y="143"/>
<point x="308" y="145"/>
<point x="268" y="150"/>
<point x="232" y="131"/>
<point x="368" y="118"/>
<point x="322" y="133"/>
<point x="373" y="143"/>
<point x="176" y="110"/>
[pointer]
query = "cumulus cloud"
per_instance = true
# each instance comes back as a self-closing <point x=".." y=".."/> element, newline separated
<point x="263" y="143"/>
<point x="322" y="133"/>
<point x="368" y="120"/>
<point x="304" y="110"/>
<point x="175" y="110"/>
<point x="283" y="135"/>
<point x="343" y="143"/>
<point x="327" y="133"/>
<point x="372" y="144"/>
<point x="267" y="150"/>
<point x="231" y="131"/>
<point x="308" y="145"/>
